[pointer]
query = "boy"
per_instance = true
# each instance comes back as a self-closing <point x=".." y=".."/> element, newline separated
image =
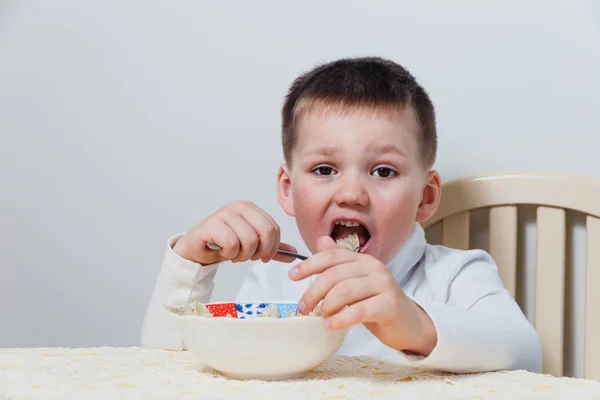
<point x="359" y="140"/>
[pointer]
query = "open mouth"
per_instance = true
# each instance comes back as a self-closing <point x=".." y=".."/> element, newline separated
<point x="349" y="234"/>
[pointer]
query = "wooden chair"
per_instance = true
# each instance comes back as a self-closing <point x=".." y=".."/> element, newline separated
<point x="552" y="195"/>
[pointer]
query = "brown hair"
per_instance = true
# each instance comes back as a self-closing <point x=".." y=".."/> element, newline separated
<point x="371" y="82"/>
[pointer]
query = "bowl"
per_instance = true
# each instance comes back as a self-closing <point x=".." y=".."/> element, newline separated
<point x="256" y="340"/>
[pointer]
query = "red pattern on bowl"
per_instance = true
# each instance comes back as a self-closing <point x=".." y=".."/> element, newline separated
<point x="222" y="309"/>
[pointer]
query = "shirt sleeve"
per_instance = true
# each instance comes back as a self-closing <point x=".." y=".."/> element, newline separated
<point x="479" y="326"/>
<point x="172" y="287"/>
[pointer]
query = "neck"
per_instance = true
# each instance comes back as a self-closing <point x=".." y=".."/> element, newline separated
<point x="409" y="255"/>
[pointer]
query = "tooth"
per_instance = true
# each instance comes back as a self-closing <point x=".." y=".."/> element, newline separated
<point x="337" y="222"/>
<point x="355" y="223"/>
<point x="343" y="223"/>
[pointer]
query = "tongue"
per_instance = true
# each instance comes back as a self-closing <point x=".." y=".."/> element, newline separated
<point x="342" y="232"/>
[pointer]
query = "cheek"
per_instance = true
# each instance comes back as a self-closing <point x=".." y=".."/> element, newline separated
<point x="393" y="234"/>
<point x="307" y="208"/>
<point x="397" y="201"/>
<point x="306" y="198"/>
<point x="300" y="209"/>
<point x="397" y="216"/>
<point x="409" y="197"/>
<point x="304" y="207"/>
<point x="300" y="199"/>
<point x="397" y="222"/>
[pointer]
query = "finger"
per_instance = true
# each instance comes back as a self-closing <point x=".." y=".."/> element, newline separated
<point x="253" y="214"/>
<point x="319" y="289"/>
<point x="321" y="262"/>
<point x="266" y="229"/>
<point x="283" y="257"/>
<point x="276" y="246"/>
<point x="247" y="237"/>
<point x="325" y="243"/>
<point x="348" y="292"/>
<point x="273" y="252"/>
<point x="249" y="207"/>
<point x="224" y="237"/>
<point x="363" y="311"/>
<point x="266" y="214"/>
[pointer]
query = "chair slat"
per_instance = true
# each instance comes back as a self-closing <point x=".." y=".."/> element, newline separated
<point x="433" y="234"/>
<point x="550" y="286"/>
<point x="503" y="244"/>
<point x="592" y="300"/>
<point x="455" y="231"/>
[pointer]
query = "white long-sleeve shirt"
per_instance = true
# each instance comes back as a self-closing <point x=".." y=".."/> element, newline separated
<point x="479" y="326"/>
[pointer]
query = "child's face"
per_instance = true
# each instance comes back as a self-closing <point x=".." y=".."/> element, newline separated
<point x="362" y="167"/>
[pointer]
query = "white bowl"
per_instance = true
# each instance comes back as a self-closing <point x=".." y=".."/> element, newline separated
<point x="259" y="348"/>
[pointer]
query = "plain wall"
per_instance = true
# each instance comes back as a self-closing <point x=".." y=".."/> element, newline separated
<point x="123" y="123"/>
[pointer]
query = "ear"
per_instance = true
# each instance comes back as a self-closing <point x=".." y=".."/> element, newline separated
<point x="431" y="196"/>
<point x="284" y="190"/>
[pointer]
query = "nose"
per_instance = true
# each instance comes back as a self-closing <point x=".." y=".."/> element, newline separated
<point x="352" y="190"/>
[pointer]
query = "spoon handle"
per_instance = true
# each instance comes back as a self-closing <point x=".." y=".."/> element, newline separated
<point x="213" y="246"/>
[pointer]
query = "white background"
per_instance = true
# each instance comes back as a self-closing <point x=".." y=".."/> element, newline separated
<point x="123" y="123"/>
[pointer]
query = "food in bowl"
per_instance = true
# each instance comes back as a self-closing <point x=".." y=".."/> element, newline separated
<point x="256" y="340"/>
<point x="242" y="310"/>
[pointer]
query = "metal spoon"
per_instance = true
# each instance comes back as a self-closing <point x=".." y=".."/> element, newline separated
<point x="215" y="247"/>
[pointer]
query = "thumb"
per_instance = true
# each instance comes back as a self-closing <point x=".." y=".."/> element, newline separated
<point x="325" y="243"/>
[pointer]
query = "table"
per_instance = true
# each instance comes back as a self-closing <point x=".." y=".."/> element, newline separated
<point x="134" y="373"/>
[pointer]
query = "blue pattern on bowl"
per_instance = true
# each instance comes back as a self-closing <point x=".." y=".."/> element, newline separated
<point x="285" y="308"/>
<point x="251" y="310"/>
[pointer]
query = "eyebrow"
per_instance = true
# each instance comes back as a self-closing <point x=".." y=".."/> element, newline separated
<point x="324" y="151"/>
<point x="329" y="151"/>
<point x="385" y="149"/>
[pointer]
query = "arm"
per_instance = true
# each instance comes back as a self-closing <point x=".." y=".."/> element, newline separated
<point x="172" y="287"/>
<point x="241" y="230"/>
<point x="479" y="325"/>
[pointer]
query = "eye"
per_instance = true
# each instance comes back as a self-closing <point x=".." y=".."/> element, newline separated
<point x="384" y="172"/>
<point x="323" y="170"/>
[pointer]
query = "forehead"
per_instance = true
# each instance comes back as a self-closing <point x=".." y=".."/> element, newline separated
<point x="357" y="129"/>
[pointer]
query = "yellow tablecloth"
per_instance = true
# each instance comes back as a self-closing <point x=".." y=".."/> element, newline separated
<point x="132" y="373"/>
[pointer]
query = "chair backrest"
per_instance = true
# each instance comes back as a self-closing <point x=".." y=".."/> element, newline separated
<point x="553" y="195"/>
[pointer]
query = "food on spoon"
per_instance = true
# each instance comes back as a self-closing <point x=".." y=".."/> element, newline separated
<point x="349" y="243"/>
